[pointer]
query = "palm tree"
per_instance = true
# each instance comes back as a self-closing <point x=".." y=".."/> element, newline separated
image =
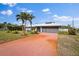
<point x="30" y="17"/>
<point x="24" y="16"/>
<point x="21" y="17"/>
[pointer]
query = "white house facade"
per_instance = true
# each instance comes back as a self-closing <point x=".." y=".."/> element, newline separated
<point x="45" y="27"/>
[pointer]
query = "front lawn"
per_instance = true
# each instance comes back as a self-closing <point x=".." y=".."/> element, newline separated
<point x="5" y="37"/>
<point x="68" y="45"/>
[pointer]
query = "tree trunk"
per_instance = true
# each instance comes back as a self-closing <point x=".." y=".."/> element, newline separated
<point x="25" y="26"/>
<point x="23" y="29"/>
<point x="31" y="24"/>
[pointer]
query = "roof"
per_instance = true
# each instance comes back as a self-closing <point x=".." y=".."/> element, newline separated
<point x="44" y="24"/>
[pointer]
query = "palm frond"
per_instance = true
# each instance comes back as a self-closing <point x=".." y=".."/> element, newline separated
<point x="17" y="17"/>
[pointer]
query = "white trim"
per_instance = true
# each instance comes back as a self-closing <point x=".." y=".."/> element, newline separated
<point x="52" y="24"/>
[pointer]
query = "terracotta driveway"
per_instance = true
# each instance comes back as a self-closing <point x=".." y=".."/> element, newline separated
<point x="43" y="44"/>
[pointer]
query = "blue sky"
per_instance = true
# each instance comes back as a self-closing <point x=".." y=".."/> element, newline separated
<point x="61" y="13"/>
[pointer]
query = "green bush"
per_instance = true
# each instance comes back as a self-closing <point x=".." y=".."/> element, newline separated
<point x="72" y="31"/>
<point x="33" y="32"/>
<point x="8" y="31"/>
<point x="15" y="32"/>
<point x="77" y="30"/>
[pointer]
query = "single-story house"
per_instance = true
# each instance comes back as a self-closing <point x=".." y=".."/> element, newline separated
<point x="62" y="29"/>
<point x="45" y="27"/>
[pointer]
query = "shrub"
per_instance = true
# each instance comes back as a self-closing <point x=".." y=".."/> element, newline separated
<point x="15" y="32"/>
<point x="72" y="31"/>
<point x="33" y="32"/>
<point x="8" y="31"/>
<point x="77" y="30"/>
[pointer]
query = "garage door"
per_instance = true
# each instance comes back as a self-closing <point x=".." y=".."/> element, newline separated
<point x="50" y="30"/>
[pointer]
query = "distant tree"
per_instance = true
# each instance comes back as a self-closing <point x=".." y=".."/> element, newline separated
<point x="5" y="25"/>
<point x="66" y="27"/>
<point x="1" y="25"/>
<point x="71" y="30"/>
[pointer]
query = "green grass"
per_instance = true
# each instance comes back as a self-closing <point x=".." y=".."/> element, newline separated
<point x="63" y="32"/>
<point x="68" y="45"/>
<point x="5" y="37"/>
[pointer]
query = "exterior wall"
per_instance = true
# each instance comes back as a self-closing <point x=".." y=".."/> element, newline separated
<point x="63" y="30"/>
<point x="41" y="29"/>
<point x="38" y="29"/>
<point x="50" y="30"/>
<point x="27" y="29"/>
<point x="47" y="29"/>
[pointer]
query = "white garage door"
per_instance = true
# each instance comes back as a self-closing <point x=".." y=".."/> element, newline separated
<point x="50" y="30"/>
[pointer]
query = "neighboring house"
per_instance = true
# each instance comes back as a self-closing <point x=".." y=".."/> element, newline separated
<point x="62" y="29"/>
<point x="45" y="27"/>
<point x="4" y="28"/>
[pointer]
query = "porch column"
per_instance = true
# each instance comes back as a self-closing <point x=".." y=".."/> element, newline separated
<point x="36" y="29"/>
<point x="40" y="29"/>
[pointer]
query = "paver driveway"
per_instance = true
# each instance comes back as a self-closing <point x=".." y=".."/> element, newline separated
<point x="43" y="44"/>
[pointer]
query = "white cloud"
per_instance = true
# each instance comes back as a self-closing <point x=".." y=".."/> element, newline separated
<point x="3" y="12"/>
<point x="62" y="18"/>
<point x="9" y="4"/>
<point x="55" y="15"/>
<point x="7" y="12"/>
<point x="21" y="9"/>
<point x="46" y="10"/>
<point x="29" y="11"/>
